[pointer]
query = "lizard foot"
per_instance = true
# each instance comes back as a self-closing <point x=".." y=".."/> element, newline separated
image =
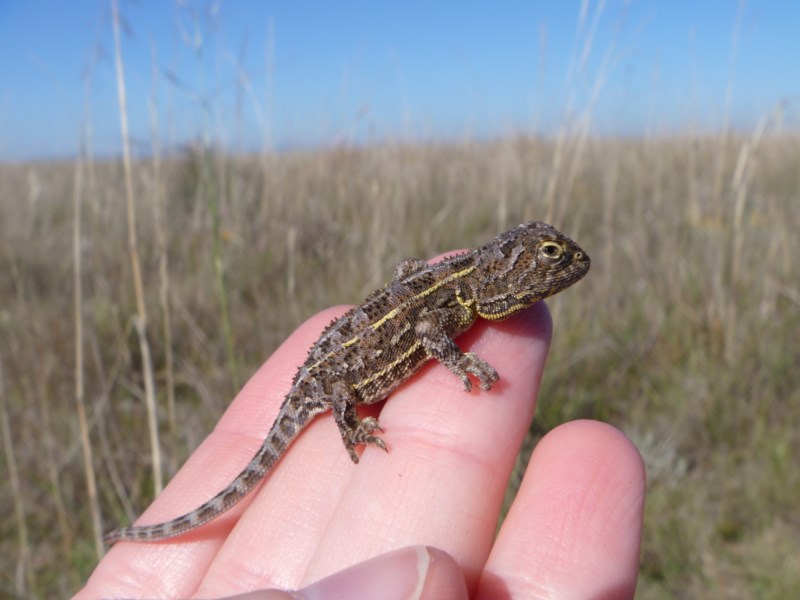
<point x="483" y="371"/>
<point x="362" y="434"/>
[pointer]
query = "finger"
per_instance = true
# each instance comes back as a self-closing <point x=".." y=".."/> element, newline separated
<point x="136" y="569"/>
<point x="574" y="529"/>
<point x="450" y="455"/>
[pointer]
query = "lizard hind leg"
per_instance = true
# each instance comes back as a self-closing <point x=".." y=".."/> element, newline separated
<point x="354" y="429"/>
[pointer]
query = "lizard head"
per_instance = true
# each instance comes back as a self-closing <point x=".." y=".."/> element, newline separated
<point x="525" y="265"/>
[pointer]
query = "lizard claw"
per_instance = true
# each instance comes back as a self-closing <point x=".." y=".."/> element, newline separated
<point x="362" y="434"/>
<point x="364" y="431"/>
<point x="375" y="440"/>
<point x="478" y="367"/>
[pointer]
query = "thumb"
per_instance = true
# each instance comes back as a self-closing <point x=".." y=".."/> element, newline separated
<point x="417" y="572"/>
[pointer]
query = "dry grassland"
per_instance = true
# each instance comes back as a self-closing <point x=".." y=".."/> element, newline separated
<point x="685" y="334"/>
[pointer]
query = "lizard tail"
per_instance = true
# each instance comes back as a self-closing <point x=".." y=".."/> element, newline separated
<point x="286" y="427"/>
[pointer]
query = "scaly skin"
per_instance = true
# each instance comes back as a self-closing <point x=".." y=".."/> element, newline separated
<point x="365" y="354"/>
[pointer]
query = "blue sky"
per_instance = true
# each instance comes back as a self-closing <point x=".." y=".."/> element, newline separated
<point x="361" y="72"/>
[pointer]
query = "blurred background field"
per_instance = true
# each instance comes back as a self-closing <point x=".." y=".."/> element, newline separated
<point x="685" y="334"/>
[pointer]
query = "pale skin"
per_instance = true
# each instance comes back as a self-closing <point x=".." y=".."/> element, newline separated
<point x="574" y="529"/>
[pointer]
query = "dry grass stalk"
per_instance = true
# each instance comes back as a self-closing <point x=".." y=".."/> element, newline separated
<point x="740" y="186"/>
<point x="161" y="245"/>
<point x="86" y="444"/>
<point x="24" y="582"/>
<point x="52" y="454"/>
<point x="215" y="193"/>
<point x="140" y="322"/>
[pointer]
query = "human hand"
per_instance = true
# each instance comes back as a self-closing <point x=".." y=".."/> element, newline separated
<point x="573" y="531"/>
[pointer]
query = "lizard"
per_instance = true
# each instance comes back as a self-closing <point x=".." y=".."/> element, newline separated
<point x="365" y="354"/>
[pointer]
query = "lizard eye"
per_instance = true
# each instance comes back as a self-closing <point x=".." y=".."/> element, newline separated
<point x="551" y="251"/>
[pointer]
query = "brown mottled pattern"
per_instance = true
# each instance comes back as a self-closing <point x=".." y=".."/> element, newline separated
<point x="365" y="354"/>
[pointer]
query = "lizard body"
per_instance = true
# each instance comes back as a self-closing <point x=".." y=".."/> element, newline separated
<point x="373" y="348"/>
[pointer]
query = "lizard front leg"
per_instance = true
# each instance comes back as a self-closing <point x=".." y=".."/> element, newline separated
<point x="353" y="428"/>
<point x="433" y="336"/>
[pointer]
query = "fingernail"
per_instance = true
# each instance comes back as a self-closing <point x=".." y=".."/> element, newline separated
<point x="399" y="575"/>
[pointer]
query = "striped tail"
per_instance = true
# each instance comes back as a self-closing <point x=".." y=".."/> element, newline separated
<point x="289" y="422"/>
